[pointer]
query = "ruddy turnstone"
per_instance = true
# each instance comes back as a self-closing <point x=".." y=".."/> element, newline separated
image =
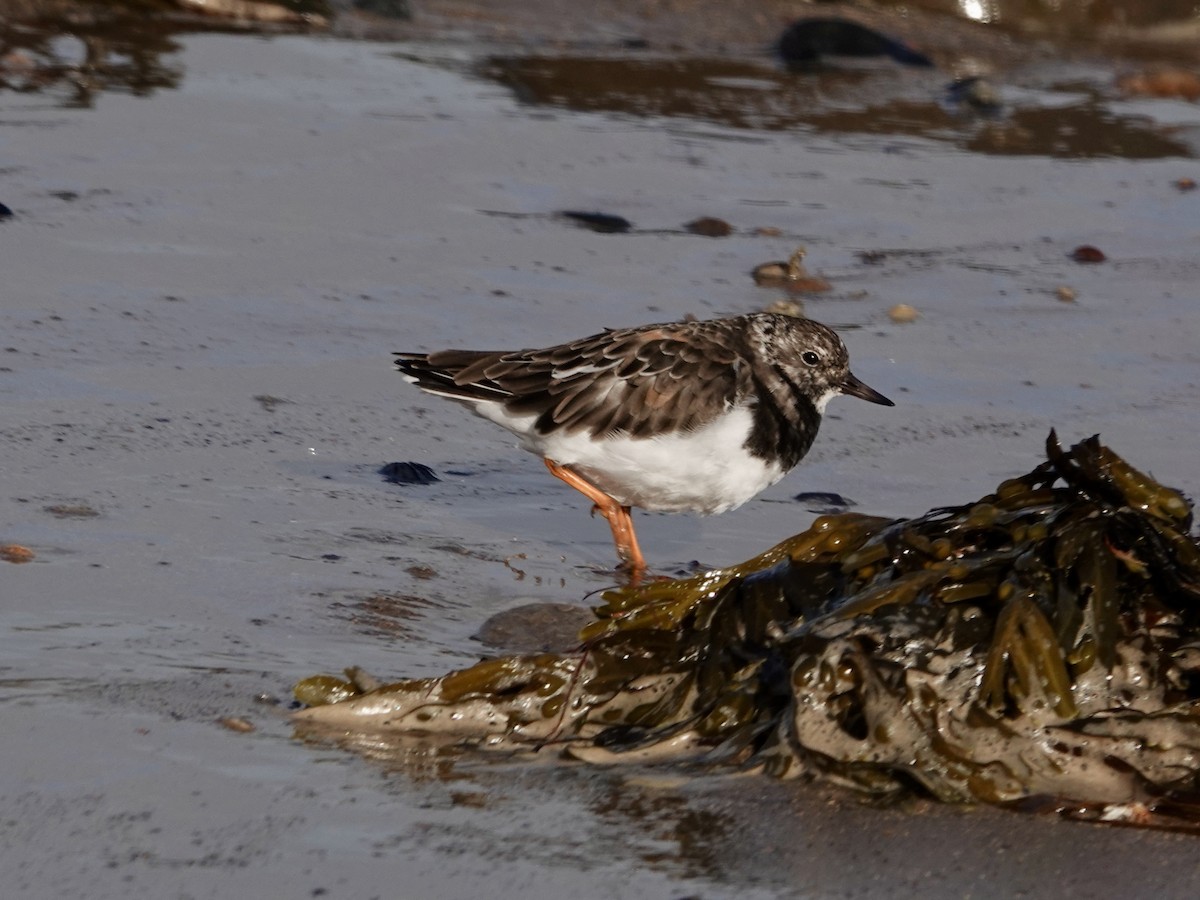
<point x="683" y="416"/>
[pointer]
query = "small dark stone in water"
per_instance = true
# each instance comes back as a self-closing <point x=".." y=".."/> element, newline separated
<point x="330" y="557"/>
<point x="707" y="226"/>
<point x="407" y="473"/>
<point x="601" y="223"/>
<point x="5" y="212"/>
<point x="871" y="257"/>
<point x="535" y="628"/>
<point x="823" y="501"/>
<point x="1088" y="254"/>
<point x="807" y="40"/>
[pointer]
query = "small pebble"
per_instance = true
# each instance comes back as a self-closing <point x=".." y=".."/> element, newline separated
<point x="236" y="723"/>
<point x="1065" y="294"/>
<point x="709" y="227"/>
<point x="767" y="231"/>
<point x="15" y="553"/>
<point x="1088" y="254"/>
<point x="1185" y="184"/>
<point x="823" y="501"/>
<point x="902" y="313"/>
<point x="5" y="212"/>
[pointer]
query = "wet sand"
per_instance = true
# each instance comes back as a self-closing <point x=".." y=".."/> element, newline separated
<point x="201" y="291"/>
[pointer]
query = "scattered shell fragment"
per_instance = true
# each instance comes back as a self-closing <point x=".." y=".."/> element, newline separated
<point x="773" y="274"/>
<point x="790" y="275"/>
<point x="770" y="274"/>
<point x="767" y="231"/>
<point x="15" y="553"/>
<point x="786" y="306"/>
<point x="902" y="314"/>
<point x="1065" y="294"/>
<point x="1185" y="184"/>
<point x="236" y="723"/>
<point x="975" y="93"/>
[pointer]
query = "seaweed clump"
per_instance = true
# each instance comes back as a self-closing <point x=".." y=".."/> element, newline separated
<point x="1040" y="644"/>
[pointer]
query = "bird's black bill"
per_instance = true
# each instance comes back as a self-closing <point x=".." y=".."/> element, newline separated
<point x="855" y="388"/>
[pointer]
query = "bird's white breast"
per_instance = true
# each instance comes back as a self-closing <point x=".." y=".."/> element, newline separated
<point x="707" y="470"/>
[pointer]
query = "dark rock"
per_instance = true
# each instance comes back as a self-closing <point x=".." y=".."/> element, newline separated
<point x="407" y="473"/>
<point x="601" y="223"/>
<point x="823" y="501"/>
<point x="535" y="628"/>
<point x="807" y="40"/>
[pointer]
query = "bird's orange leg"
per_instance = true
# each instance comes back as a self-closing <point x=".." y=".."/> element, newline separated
<point x="619" y="518"/>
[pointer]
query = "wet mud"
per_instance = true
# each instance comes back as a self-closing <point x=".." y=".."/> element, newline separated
<point x="216" y="233"/>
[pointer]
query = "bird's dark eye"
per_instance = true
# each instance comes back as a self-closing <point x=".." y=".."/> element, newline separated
<point x="810" y="358"/>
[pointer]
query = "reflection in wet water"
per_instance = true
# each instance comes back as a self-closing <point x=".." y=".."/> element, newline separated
<point x="75" y="57"/>
<point x="747" y="95"/>
<point x="1085" y="130"/>
<point x="684" y="836"/>
<point x="75" y="49"/>
<point x="638" y="812"/>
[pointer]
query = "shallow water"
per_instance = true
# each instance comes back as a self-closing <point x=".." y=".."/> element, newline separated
<point x="1080" y="119"/>
<point x="297" y="208"/>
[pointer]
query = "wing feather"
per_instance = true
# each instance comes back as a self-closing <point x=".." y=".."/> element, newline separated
<point x="640" y="381"/>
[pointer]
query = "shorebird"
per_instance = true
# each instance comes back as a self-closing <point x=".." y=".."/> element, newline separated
<point x="682" y="416"/>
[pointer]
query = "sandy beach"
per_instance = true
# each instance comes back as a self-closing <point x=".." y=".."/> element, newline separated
<point x="201" y="290"/>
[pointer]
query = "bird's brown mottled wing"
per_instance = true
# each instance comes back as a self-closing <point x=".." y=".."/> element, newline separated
<point x="639" y="381"/>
